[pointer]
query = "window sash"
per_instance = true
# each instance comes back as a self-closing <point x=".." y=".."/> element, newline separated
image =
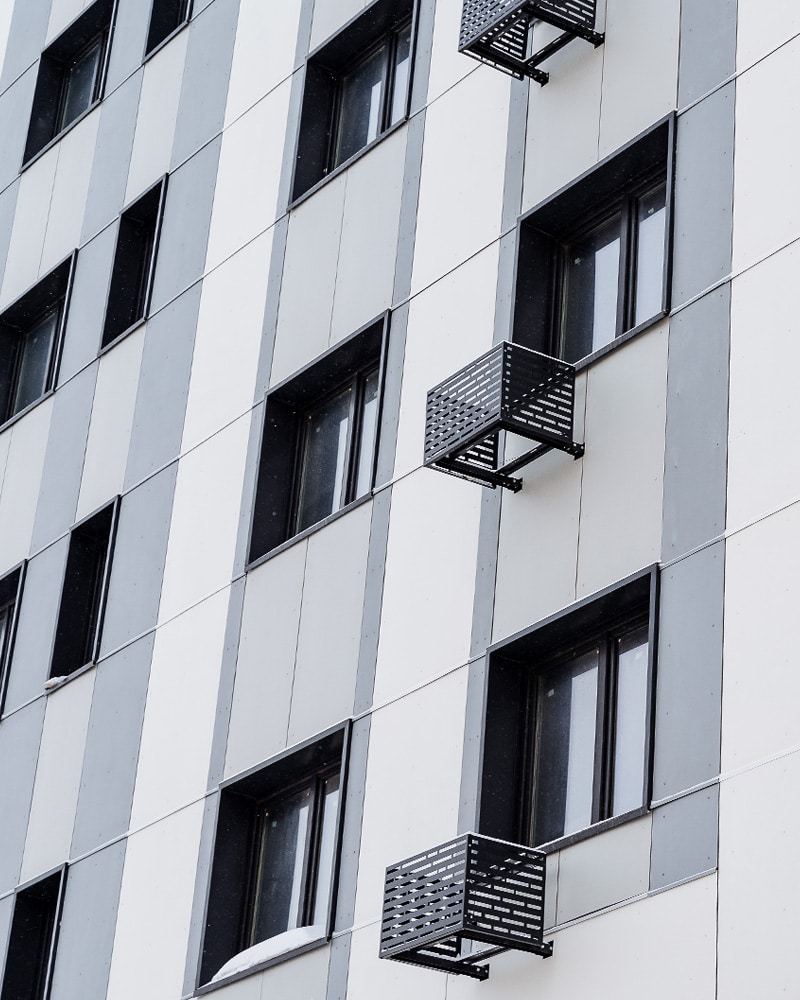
<point x="80" y="82"/>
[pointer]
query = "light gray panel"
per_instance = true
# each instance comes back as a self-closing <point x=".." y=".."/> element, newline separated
<point x="112" y="156"/>
<point x="26" y="38"/>
<point x="353" y="814"/>
<point x="685" y="836"/>
<point x="15" y="112"/>
<point x="88" y="923"/>
<point x="272" y="305"/>
<point x="139" y="554"/>
<point x="20" y="735"/>
<point x="373" y="601"/>
<point x="163" y="387"/>
<point x="422" y="56"/>
<point x="485" y="573"/>
<point x="339" y="967"/>
<point x="8" y="207"/>
<point x="704" y="195"/>
<point x="30" y="664"/>
<point x="201" y="884"/>
<point x="471" y="763"/>
<point x="230" y="653"/>
<point x="409" y="201"/>
<point x="688" y="692"/>
<point x="696" y="450"/>
<point x="392" y="388"/>
<point x="248" y="489"/>
<point x="63" y="463"/>
<point x="87" y="304"/>
<point x="130" y="33"/>
<point x="205" y="78"/>
<point x="187" y="219"/>
<point x="112" y="746"/>
<point x="708" y="47"/>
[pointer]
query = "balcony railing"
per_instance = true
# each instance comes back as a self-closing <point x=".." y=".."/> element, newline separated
<point x="499" y="32"/>
<point x="471" y="890"/>
<point x="510" y="388"/>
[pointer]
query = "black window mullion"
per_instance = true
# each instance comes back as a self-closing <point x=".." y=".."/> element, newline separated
<point x="601" y="753"/>
<point x="311" y="861"/>
<point x="351" y="445"/>
<point x="627" y="259"/>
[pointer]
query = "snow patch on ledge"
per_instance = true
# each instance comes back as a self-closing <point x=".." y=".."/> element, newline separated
<point x="271" y="948"/>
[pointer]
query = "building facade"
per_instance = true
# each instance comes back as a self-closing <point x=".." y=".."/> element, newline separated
<point x="254" y="646"/>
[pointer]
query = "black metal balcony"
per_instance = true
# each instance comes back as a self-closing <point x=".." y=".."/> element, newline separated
<point x="510" y="388"/>
<point x="499" y="32"/>
<point x="471" y="890"/>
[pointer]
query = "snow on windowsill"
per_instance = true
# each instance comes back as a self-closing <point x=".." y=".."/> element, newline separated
<point x="271" y="948"/>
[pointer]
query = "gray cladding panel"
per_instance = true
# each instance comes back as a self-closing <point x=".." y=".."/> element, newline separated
<point x="139" y="554"/>
<point x="63" y="464"/>
<point x="708" y="47"/>
<point x="469" y="804"/>
<point x="112" y="157"/>
<point x="15" y="110"/>
<point x="30" y="664"/>
<point x="20" y="736"/>
<point x="187" y="219"/>
<point x="373" y="601"/>
<point x="703" y="224"/>
<point x="205" y="79"/>
<point x="202" y="878"/>
<point x="87" y="304"/>
<point x="163" y="387"/>
<point x="130" y="33"/>
<point x="25" y="39"/>
<point x="696" y="453"/>
<point x="8" y="208"/>
<point x="86" y="939"/>
<point x="230" y="655"/>
<point x="353" y="814"/>
<point x="392" y="388"/>
<point x="685" y="835"/>
<point x="112" y="747"/>
<point x="689" y="682"/>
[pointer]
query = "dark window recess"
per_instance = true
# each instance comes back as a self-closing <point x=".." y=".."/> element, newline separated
<point x="31" y="331"/>
<point x="166" y="16"/>
<point x="320" y="440"/>
<point x="356" y="88"/>
<point x="10" y="592"/>
<point x="71" y="76"/>
<point x="276" y="852"/>
<point x="594" y="260"/>
<point x="33" y="939"/>
<point x="80" y="615"/>
<point x="134" y="264"/>
<point x="516" y="36"/>
<point x="567" y="741"/>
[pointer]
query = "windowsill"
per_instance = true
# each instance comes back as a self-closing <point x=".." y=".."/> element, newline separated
<point x="306" y="532"/>
<point x="18" y="416"/>
<point x="344" y="166"/>
<point x="590" y="359"/>
<point x="60" y="135"/>
<point x="69" y="677"/>
<point x="554" y="846"/>
<point x="121" y="336"/>
<point x="291" y="951"/>
<point x="165" y="41"/>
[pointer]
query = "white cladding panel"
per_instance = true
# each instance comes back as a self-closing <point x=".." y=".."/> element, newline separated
<point x="30" y="226"/>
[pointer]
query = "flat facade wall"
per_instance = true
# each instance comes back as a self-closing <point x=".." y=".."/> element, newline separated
<point x="210" y="666"/>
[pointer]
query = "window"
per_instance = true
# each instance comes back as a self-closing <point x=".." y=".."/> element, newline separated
<point x="275" y="858"/>
<point x="10" y="592"/>
<point x="80" y="615"/>
<point x="166" y="17"/>
<point x="31" y="330"/>
<point x="594" y="259"/>
<point x="569" y="709"/>
<point x="356" y="89"/>
<point x="319" y="441"/>
<point x="71" y="76"/>
<point x="33" y="939"/>
<point x="134" y="264"/>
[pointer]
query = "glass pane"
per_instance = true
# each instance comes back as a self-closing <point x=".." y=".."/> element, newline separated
<point x="327" y="842"/>
<point x="360" y="110"/>
<point x="402" y="59"/>
<point x="323" y="482"/>
<point x="631" y="724"/>
<point x="32" y="376"/>
<point x="591" y="291"/>
<point x="366" y="443"/>
<point x="279" y="884"/>
<point x="651" y="220"/>
<point x="565" y="749"/>
<point x="79" y="84"/>
<point x="5" y="620"/>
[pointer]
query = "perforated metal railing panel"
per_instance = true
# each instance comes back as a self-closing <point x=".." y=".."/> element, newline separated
<point x="538" y="394"/>
<point x="479" y="16"/>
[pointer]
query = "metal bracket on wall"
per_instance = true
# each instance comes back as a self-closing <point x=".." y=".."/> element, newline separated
<point x="500" y="32"/>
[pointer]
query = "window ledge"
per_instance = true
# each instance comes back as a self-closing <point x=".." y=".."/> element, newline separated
<point x="64" y="679"/>
<point x="590" y="359"/>
<point x="60" y="135"/>
<point x="591" y="831"/>
<point x="264" y="955"/>
<point x="121" y="336"/>
<point x="295" y="203"/>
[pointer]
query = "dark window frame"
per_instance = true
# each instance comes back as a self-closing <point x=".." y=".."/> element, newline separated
<point x="230" y="901"/>
<point x="273" y="523"/>
<point x="505" y="794"/>
<point x="545" y="232"/>
<point x="92" y="26"/>
<point x="47" y="946"/>
<point x="326" y="68"/>
<point x="50" y="293"/>
<point x="63" y="639"/>
<point x="151" y="46"/>
<point x="11" y="587"/>
<point x="144" y="293"/>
